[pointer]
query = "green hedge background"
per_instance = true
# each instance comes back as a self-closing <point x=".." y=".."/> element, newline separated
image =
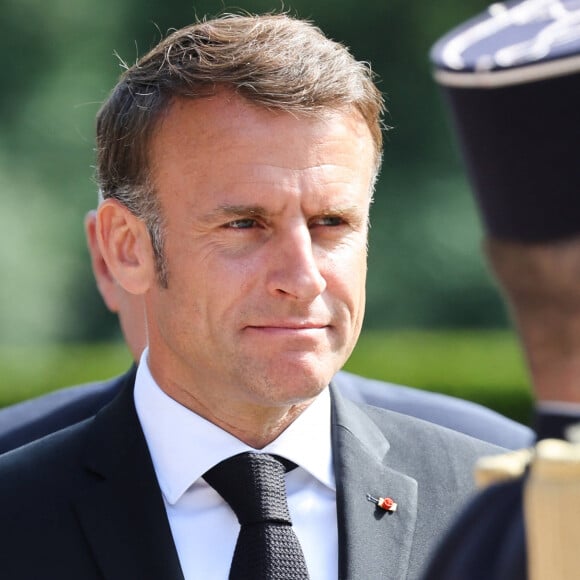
<point x="426" y="269"/>
<point x="425" y="265"/>
<point x="484" y="366"/>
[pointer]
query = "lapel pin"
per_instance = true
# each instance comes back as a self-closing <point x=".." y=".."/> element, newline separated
<point x="385" y="503"/>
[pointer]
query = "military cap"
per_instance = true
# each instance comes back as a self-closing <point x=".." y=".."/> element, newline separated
<point x="511" y="77"/>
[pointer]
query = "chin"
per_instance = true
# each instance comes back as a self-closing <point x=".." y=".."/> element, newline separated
<point x="294" y="385"/>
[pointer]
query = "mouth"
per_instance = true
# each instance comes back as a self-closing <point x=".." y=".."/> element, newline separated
<point x="300" y="328"/>
<point x="290" y="325"/>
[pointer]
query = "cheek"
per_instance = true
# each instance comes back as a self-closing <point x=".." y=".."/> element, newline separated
<point x="352" y="260"/>
<point x="347" y="276"/>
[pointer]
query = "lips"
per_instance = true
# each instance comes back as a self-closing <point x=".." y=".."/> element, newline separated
<point x="309" y="331"/>
<point x="289" y="325"/>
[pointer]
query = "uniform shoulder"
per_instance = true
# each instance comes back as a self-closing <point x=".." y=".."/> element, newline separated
<point x="33" y="419"/>
<point x="43" y="464"/>
<point x="14" y="415"/>
<point x="452" y="412"/>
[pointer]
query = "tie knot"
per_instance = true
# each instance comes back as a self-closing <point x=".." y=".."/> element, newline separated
<point x="253" y="484"/>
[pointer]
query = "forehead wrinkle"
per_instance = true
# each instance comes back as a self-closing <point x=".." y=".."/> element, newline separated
<point x="263" y="170"/>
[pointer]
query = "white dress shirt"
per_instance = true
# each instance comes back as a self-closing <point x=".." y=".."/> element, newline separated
<point x="184" y="446"/>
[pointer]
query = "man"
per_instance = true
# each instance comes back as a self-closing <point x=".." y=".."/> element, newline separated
<point x="32" y="419"/>
<point x="521" y="152"/>
<point x="237" y="161"/>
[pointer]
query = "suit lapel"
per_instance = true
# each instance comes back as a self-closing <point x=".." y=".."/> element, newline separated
<point x="371" y="541"/>
<point x="123" y="515"/>
<point x="124" y="518"/>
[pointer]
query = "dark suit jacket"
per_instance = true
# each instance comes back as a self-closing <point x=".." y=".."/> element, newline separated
<point x="84" y="503"/>
<point x="30" y="420"/>
<point x="488" y="540"/>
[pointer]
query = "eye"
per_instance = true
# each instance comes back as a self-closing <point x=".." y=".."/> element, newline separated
<point x="242" y="224"/>
<point x="328" y="221"/>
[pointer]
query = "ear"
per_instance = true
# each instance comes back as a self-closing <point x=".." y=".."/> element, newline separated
<point x="125" y="247"/>
<point x="105" y="282"/>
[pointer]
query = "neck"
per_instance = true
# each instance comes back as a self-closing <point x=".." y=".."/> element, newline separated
<point x="248" y="406"/>
<point x="552" y="349"/>
<point x="254" y="425"/>
<point x="541" y="285"/>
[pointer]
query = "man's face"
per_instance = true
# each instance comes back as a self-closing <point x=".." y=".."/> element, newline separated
<point x="265" y="240"/>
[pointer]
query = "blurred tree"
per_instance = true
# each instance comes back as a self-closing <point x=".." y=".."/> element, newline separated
<point x="425" y="264"/>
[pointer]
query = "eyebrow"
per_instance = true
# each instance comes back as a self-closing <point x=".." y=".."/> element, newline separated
<point x="347" y="210"/>
<point x="227" y="211"/>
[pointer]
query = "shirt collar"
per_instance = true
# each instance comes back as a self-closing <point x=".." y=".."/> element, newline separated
<point x="184" y="445"/>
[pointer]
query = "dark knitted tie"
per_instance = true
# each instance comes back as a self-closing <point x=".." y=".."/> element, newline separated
<point x="267" y="548"/>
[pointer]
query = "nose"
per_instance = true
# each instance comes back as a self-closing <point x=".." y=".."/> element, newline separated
<point x="294" y="269"/>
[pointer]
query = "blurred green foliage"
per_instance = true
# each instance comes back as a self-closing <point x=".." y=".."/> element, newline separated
<point x="31" y="371"/>
<point x="425" y="264"/>
<point x="484" y="367"/>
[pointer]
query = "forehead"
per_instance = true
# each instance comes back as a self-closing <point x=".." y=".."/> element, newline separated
<point x="226" y="122"/>
<point x="222" y="150"/>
